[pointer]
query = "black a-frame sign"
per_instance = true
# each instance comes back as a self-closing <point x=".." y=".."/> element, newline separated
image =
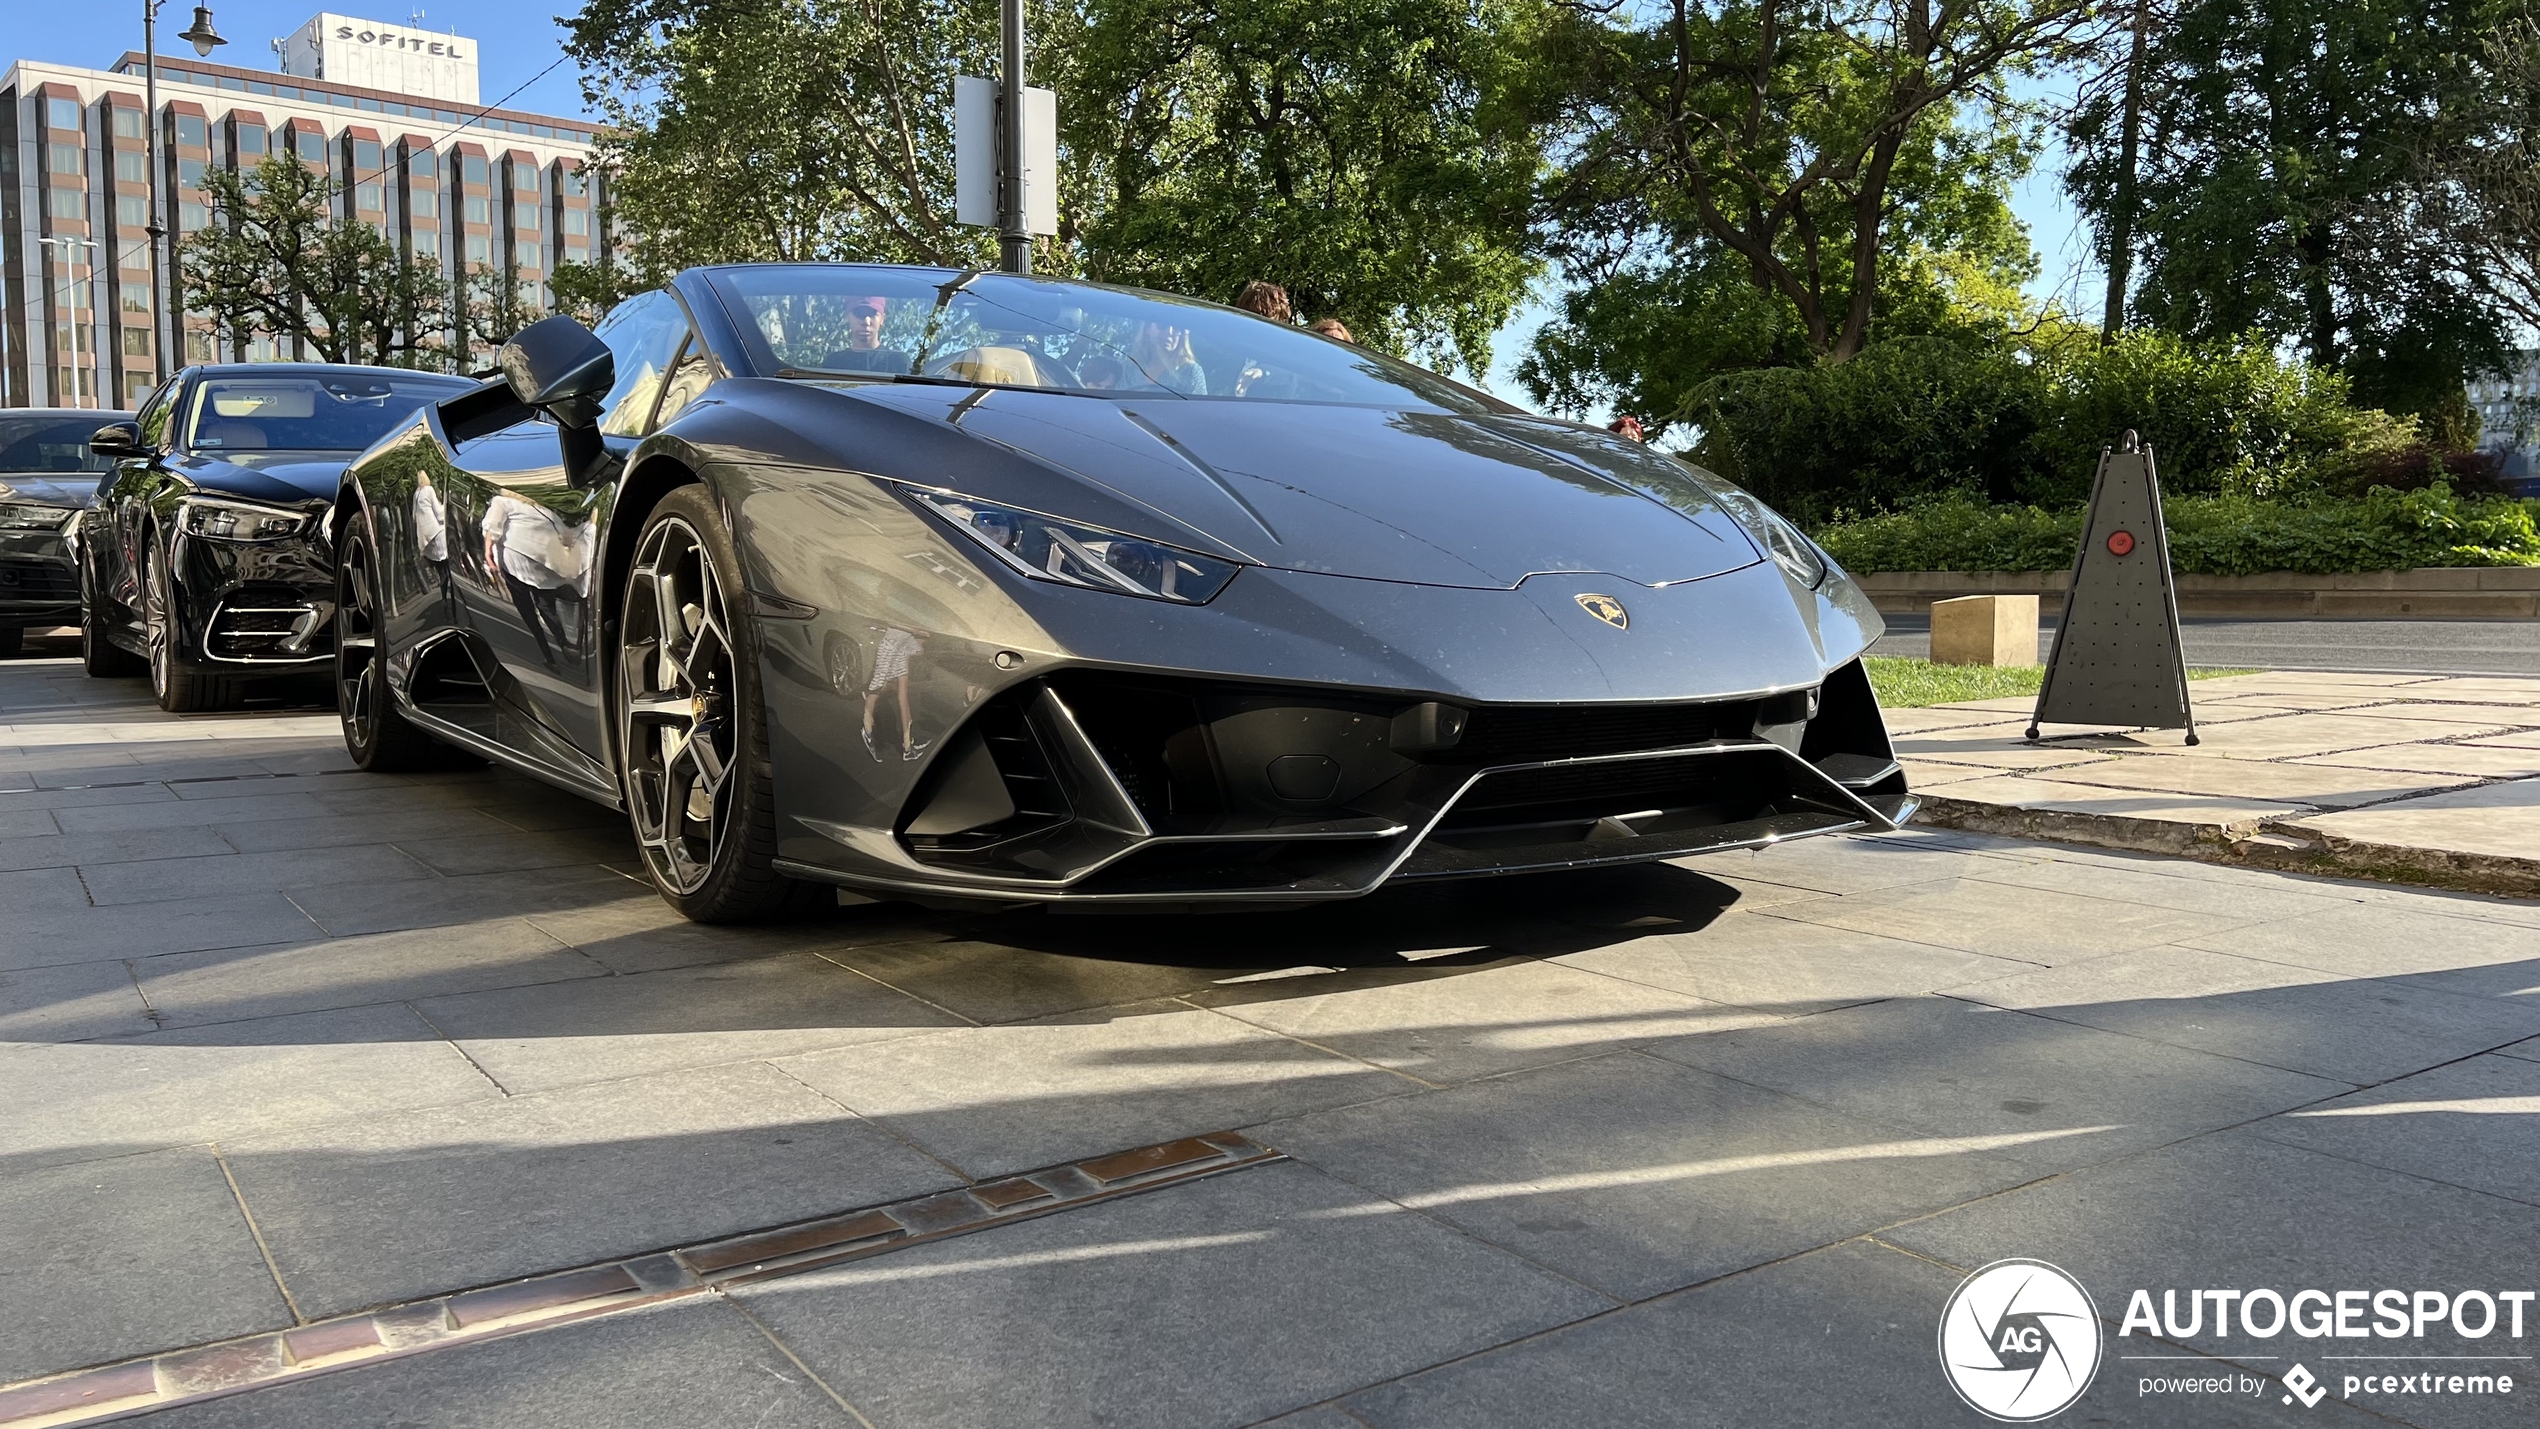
<point x="2117" y="656"/>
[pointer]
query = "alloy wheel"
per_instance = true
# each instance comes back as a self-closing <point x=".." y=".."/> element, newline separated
<point x="677" y="688"/>
<point x="356" y="644"/>
<point x="156" y="623"/>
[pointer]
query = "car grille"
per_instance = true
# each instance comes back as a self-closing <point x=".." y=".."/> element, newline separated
<point x="25" y="580"/>
<point x="265" y="628"/>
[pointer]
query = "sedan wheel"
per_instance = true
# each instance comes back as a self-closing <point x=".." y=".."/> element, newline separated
<point x="377" y="736"/>
<point x="179" y="684"/>
<point x="699" y="790"/>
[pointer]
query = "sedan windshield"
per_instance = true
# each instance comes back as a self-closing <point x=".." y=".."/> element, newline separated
<point x="48" y="444"/>
<point x="998" y="330"/>
<point x="321" y="413"/>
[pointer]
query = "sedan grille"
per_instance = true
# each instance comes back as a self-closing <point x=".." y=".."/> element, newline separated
<point x="269" y="629"/>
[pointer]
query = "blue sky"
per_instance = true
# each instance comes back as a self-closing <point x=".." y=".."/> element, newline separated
<point x="518" y="45"/>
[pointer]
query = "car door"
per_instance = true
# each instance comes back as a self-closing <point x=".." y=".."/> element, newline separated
<point x="524" y="538"/>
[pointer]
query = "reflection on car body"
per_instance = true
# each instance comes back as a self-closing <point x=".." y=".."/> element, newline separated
<point x="970" y="586"/>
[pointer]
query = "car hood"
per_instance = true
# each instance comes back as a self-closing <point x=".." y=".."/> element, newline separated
<point x="284" y="478"/>
<point x="1429" y="498"/>
<point x="46" y="491"/>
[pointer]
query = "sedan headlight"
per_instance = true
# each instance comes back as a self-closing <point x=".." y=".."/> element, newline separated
<point x="1798" y="556"/>
<point x="1047" y="549"/>
<point x="25" y="516"/>
<point x="240" y="520"/>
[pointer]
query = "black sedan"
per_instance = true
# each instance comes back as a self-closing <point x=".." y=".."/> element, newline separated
<point x="968" y="586"/>
<point x="205" y="562"/>
<point x="47" y="477"/>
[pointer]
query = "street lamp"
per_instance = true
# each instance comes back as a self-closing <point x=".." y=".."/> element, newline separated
<point x="68" y="258"/>
<point x="205" y="39"/>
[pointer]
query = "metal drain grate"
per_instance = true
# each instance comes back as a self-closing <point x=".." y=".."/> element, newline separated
<point x="109" y="1392"/>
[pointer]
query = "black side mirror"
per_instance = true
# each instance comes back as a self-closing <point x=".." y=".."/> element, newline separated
<point x="116" y="439"/>
<point x="557" y="366"/>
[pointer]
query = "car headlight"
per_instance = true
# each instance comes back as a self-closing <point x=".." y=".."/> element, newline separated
<point x="23" y="516"/>
<point x="1047" y="549"/>
<point x="240" y="520"/>
<point x="1798" y="556"/>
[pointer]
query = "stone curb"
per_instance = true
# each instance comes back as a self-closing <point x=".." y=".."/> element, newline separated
<point x="2285" y="844"/>
<point x="2430" y="593"/>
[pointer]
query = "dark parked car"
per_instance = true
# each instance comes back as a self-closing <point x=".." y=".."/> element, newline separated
<point x="205" y="563"/>
<point x="970" y="586"/>
<point x="47" y="477"/>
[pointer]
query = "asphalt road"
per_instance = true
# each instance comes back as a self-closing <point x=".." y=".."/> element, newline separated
<point x="2445" y="647"/>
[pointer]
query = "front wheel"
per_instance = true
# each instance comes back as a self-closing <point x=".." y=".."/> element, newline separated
<point x="375" y="734"/>
<point x="182" y="686"/>
<point x="692" y="733"/>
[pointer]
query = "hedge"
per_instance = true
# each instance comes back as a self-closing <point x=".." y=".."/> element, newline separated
<point x="2384" y="530"/>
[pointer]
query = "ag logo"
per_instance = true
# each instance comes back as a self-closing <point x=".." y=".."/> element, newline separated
<point x="1605" y="608"/>
<point x="2019" y="1341"/>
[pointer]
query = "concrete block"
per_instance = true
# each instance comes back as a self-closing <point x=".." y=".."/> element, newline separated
<point x="1984" y="630"/>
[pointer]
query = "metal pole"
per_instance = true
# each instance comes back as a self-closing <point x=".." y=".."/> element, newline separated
<point x="1015" y="237"/>
<point x="157" y="230"/>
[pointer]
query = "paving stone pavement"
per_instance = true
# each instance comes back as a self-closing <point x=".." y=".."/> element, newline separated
<point x="1699" y="1144"/>
<point x="2427" y="777"/>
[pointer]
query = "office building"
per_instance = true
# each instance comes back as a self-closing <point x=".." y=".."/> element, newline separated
<point x="82" y="318"/>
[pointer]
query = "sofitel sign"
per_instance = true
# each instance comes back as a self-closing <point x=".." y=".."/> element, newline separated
<point x="443" y="48"/>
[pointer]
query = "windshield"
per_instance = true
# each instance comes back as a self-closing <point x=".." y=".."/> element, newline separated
<point x="324" y="413"/>
<point x="994" y="329"/>
<point x="47" y="444"/>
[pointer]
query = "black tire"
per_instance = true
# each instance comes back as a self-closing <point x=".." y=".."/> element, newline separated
<point x="688" y="702"/>
<point x="104" y="659"/>
<point x="376" y="735"/>
<point x="12" y="641"/>
<point x="182" y="687"/>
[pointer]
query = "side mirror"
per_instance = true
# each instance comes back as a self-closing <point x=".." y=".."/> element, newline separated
<point x="557" y="366"/>
<point x="116" y="439"/>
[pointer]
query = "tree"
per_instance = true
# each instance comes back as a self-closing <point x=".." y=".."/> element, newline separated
<point x="275" y="259"/>
<point x="2491" y="211"/>
<point x="1374" y="157"/>
<point x="1798" y="137"/>
<point x="758" y="130"/>
<point x="2285" y="187"/>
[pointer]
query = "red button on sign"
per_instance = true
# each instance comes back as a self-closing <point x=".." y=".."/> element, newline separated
<point x="2120" y="543"/>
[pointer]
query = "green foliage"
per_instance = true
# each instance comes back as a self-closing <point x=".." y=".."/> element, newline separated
<point x="2216" y="535"/>
<point x="1364" y="154"/>
<point x="2296" y="166"/>
<point x="1912" y="419"/>
<point x="275" y="259"/>
<point x="757" y="130"/>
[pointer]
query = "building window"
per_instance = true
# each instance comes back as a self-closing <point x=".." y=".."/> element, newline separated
<point x="132" y="168"/>
<point x="251" y="141"/>
<point x="529" y="255"/>
<point x="136" y="257"/>
<point x="132" y="211"/>
<point x="127" y="122"/>
<point x="575" y="182"/>
<point x="198" y="347"/>
<point x="366" y="196"/>
<point x="577" y="221"/>
<point x="366" y="156"/>
<point x="189" y="173"/>
<point x="576" y="253"/>
<point x="136" y="386"/>
<point x="64" y="203"/>
<point x="427" y="245"/>
<point x="310" y="147"/>
<point x="425" y="203"/>
<point x="525" y="179"/>
<point x="62" y="113"/>
<point x="136" y="342"/>
<point x="421" y="165"/>
<point x="472" y="168"/>
<point x="191" y="216"/>
<point x="476" y="209"/>
<point x="190" y="130"/>
<point x="526" y="216"/>
<point x="62" y="159"/>
<point x="136" y="297"/>
<point x="478" y="251"/>
<point x="263" y="348"/>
